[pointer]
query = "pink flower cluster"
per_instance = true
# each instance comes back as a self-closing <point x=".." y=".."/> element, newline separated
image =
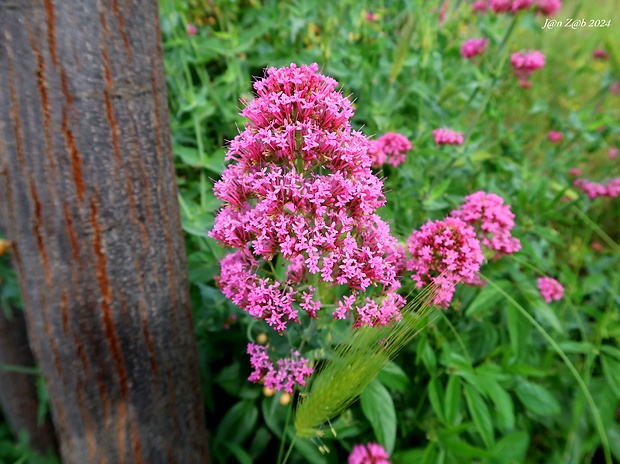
<point x="391" y="147"/>
<point x="479" y="6"/>
<point x="610" y="189"/>
<point x="505" y="6"/>
<point x="492" y="220"/>
<point x="371" y="453"/>
<point x="613" y="153"/>
<point x="555" y="136"/>
<point x="550" y="289"/>
<point x="525" y="63"/>
<point x="299" y="188"/>
<point x="191" y="30"/>
<point x="547" y="7"/>
<point x="474" y="47"/>
<point x="289" y="371"/>
<point x="444" y="253"/>
<point x="445" y="136"/>
<point x="600" y="54"/>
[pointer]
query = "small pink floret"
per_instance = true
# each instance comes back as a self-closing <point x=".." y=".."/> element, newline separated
<point x="444" y="136"/>
<point x="371" y="453"/>
<point x="555" y="136"/>
<point x="550" y="289"/>
<point x="192" y="30"/>
<point x="474" y="47"/>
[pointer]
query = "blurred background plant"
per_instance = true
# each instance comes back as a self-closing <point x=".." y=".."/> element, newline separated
<point x="502" y="376"/>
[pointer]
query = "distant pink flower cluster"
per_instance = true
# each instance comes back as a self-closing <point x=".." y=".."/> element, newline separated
<point x="547" y="7"/>
<point x="284" y="375"/>
<point x="524" y="63"/>
<point x="371" y="453"/>
<point x="492" y="220"/>
<point x="574" y="171"/>
<point x="610" y="189"/>
<point x="615" y="88"/>
<point x="613" y="153"/>
<point x="277" y="201"/>
<point x="444" y="253"/>
<point x="391" y="147"/>
<point x="550" y="289"/>
<point x="445" y="136"/>
<point x="479" y="6"/>
<point x="600" y="54"/>
<point x="555" y="136"/>
<point x="191" y="30"/>
<point x="474" y="47"/>
<point x="509" y="6"/>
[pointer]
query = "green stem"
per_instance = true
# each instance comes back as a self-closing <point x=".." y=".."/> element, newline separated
<point x="584" y="388"/>
<point x="456" y="335"/>
<point x="290" y="448"/>
<point x="283" y="441"/>
<point x="597" y="229"/>
<point x="19" y="369"/>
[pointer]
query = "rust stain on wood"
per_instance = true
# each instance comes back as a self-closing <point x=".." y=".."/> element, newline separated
<point x="134" y="215"/>
<point x="64" y="84"/>
<point x="136" y="444"/>
<point x="81" y="354"/>
<point x="106" y="293"/>
<point x="121" y="434"/>
<point x="14" y="112"/>
<point x="64" y="309"/>
<point x="51" y="32"/>
<point x="75" y="246"/>
<point x="76" y="160"/>
<point x="107" y="91"/>
<point x="121" y="23"/>
<point x="104" y="24"/>
<point x="38" y="224"/>
<point x="45" y="103"/>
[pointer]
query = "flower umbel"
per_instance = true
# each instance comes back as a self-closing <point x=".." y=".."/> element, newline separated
<point x="445" y="136"/>
<point x="391" y="147"/>
<point x="287" y="373"/>
<point x="299" y="193"/>
<point x="493" y="220"/>
<point x="370" y="453"/>
<point x="550" y="289"/>
<point x="474" y="47"/>
<point x="444" y="253"/>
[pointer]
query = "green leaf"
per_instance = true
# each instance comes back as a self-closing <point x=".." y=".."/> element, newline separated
<point x="545" y="312"/>
<point x="435" y="393"/>
<point x="242" y="456"/>
<point x="237" y="424"/>
<point x="393" y="376"/>
<point x="611" y="351"/>
<point x="571" y="347"/>
<point x="537" y="399"/>
<point x="611" y="371"/>
<point x="486" y="300"/>
<point x="503" y="404"/>
<point x="480" y="414"/>
<point x="452" y="400"/>
<point x="511" y="448"/>
<point x="464" y="450"/>
<point x="378" y="407"/>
